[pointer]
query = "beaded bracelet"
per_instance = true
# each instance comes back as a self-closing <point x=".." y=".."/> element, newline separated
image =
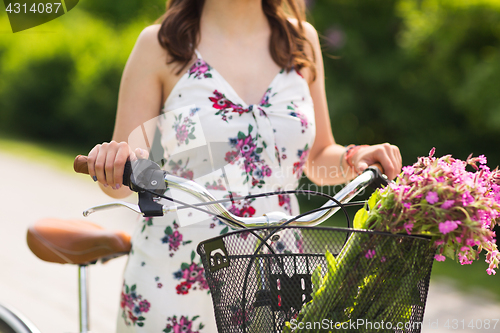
<point x="350" y="152"/>
<point x="341" y="167"/>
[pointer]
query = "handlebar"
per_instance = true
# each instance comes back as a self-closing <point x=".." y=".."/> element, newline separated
<point x="151" y="182"/>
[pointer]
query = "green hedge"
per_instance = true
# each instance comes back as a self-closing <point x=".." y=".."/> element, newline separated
<point x="415" y="73"/>
<point x="60" y="80"/>
<point x="125" y="11"/>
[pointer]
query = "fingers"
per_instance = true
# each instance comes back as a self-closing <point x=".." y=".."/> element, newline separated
<point x="106" y="163"/>
<point x="91" y="158"/>
<point x="118" y="166"/>
<point x="140" y="153"/>
<point x="397" y="159"/>
<point x="386" y="154"/>
<point x="362" y="165"/>
<point x="390" y="158"/>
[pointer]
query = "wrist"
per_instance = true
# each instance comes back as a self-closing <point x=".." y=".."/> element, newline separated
<point x="343" y="165"/>
<point x="349" y="155"/>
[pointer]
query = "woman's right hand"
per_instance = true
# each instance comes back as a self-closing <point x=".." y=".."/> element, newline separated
<point x="106" y="162"/>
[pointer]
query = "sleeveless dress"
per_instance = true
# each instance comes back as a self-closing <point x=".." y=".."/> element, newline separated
<point x="211" y="136"/>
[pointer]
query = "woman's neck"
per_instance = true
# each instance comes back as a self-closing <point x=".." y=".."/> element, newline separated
<point x="233" y="18"/>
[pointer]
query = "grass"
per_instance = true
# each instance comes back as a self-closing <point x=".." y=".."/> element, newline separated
<point x="468" y="278"/>
<point x="57" y="156"/>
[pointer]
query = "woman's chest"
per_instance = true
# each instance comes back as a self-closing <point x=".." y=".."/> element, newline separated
<point x="204" y="110"/>
<point x="248" y="69"/>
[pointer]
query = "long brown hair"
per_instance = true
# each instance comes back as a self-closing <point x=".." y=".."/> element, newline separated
<point x="180" y="27"/>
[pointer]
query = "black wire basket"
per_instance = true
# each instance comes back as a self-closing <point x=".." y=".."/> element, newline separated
<point x="305" y="279"/>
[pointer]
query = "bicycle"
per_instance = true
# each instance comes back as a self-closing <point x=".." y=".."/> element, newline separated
<point x="150" y="182"/>
<point x="13" y="321"/>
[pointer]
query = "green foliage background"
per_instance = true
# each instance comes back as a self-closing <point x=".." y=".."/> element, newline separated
<point x="416" y="73"/>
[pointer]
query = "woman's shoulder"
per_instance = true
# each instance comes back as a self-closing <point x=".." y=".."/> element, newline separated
<point x="309" y="30"/>
<point x="153" y="57"/>
<point x="148" y="39"/>
<point x="313" y="50"/>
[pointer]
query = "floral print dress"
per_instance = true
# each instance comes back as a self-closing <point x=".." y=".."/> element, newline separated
<point x="210" y="135"/>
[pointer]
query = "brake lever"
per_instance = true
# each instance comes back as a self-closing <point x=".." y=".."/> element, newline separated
<point x="148" y="206"/>
<point x="110" y="205"/>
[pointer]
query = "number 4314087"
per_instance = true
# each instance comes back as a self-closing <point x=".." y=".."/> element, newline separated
<point x="39" y="8"/>
<point x="473" y="324"/>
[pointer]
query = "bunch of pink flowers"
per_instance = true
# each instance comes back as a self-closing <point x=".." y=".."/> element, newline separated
<point x="440" y="198"/>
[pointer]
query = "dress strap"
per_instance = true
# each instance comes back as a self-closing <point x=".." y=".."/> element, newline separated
<point x="198" y="54"/>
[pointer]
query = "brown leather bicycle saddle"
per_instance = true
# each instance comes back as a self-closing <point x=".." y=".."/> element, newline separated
<point x="75" y="241"/>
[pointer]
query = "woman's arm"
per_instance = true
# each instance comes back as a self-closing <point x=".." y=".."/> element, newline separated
<point x="139" y="100"/>
<point x="325" y="152"/>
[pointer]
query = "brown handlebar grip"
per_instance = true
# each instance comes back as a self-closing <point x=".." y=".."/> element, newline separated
<point x="378" y="166"/>
<point x="80" y="164"/>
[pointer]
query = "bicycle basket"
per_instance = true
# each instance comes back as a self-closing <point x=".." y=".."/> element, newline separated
<point x="279" y="285"/>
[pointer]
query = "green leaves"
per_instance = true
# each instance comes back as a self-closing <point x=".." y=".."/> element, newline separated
<point x="169" y="231"/>
<point x="373" y="277"/>
<point x="360" y="219"/>
<point x="316" y="279"/>
<point x="364" y="217"/>
<point x="374" y="198"/>
<point x="332" y="263"/>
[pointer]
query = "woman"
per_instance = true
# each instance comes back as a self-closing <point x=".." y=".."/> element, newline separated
<point x="238" y="88"/>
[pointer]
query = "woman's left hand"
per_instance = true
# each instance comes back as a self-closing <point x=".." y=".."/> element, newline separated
<point x="386" y="154"/>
